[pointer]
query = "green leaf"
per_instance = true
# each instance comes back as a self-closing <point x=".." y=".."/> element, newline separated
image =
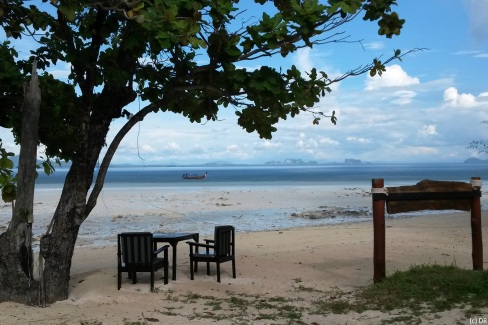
<point x="68" y="11"/>
<point x="9" y="193"/>
<point x="138" y="6"/>
<point x="6" y="163"/>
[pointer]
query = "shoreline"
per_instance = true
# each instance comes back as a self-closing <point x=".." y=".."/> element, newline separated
<point x="248" y="209"/>
<point x="169" y="210"/>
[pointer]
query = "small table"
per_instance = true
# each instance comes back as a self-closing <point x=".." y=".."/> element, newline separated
<point x="173" y="239"/>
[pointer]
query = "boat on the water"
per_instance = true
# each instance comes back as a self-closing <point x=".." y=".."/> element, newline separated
<point x="193" y="176"/>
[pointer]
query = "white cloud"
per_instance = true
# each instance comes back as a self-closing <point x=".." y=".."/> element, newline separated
<point x="249" y="68"/>
<point x="476" y="54"/>
<point x="303" y="60"/>
<point x="420" y="151"/>
<point x="306" y="59"/>
<point x="403" y="97"/>
<point x="146" y="148"/>
<point x="198" y="149"/>
<point x="428" y="130"/>
<point x="453" y="99"/>
<point x="173" y="146"/>
<point x="483" y="97"/>
<point x="306" y="144"/>
<point x="358" y="140"/>
<point x="374" y="45"/>
<point x="61" y="72"/>
<point x="328" y="141"/>
<point x="233" y="148"/>
<point x="267" y="145"/>
<point x="235" y="151"/>
<point x="394" y="76"/>
<point x="466" y="52"/>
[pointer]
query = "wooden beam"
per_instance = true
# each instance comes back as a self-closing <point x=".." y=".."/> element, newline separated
<point x="430" y="195"/>
<point x="477" y="241"/>
<point x="379" y="234"/>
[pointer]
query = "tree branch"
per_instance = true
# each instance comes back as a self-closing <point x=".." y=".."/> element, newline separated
<point x="97" y="188"/>
<point x="363" y="69"/>
<point x="264" y="50"/>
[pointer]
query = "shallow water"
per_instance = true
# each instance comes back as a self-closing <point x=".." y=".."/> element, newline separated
<point x="161" y="201"/>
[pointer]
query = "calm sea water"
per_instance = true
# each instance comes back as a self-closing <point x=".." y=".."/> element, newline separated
<point x="163" y="179"/>
<point x="231" y="176"/>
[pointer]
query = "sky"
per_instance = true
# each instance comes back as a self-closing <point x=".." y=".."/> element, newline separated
<point x="427" y="108"/>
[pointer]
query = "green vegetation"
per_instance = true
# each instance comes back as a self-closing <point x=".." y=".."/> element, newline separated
<point x="407" y="297"/>
<point x="430" y="288"/>
<point x="422" y="290"/>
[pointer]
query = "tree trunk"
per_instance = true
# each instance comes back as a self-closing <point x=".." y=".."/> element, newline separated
<point x="16" y="257"/>
<point x="57" y="246"/>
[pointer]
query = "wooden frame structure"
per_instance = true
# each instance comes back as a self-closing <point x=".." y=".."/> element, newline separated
<point x="425" y="195"/>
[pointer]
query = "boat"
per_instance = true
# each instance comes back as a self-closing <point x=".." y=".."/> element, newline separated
<point x="193" y="176"/>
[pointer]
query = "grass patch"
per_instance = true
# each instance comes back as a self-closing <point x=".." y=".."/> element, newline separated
<point x="406" y="297"/>
<point x="424" y="289"/>
<point x="216" y="305"/>
<point x="432" y="287"/>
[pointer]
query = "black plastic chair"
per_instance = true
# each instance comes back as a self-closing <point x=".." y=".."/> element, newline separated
<point x="218" y="250"/>
<point x="136" y="254"/>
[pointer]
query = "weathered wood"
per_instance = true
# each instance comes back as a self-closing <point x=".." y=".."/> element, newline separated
<point x="430" y="195"/>
<point x="476" y="237"/>
<point x="16" y="257"/>
<point x="426" y="195"/>
<point x="379" y="234"/>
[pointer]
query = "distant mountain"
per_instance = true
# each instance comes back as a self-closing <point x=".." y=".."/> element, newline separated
<point x="64" y="164"/>
<point x="352" y="161"/>
<point x="15" y="160"/>
<point x="476" y="161"/>
<point x="217" y="163"/>
<point x="290" y="162"/>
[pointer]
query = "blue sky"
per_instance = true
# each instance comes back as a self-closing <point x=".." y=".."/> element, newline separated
<point x="427" y="108"/>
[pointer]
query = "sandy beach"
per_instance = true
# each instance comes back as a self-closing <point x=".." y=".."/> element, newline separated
<point x="303" y="263"/>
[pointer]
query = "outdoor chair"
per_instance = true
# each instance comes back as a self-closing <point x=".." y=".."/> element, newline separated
<point x="136" y="254"/>
<point x="218" y="250"/>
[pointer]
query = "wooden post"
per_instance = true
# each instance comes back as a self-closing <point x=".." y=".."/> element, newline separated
<point x="477" y="249"/>
<point x="379" y="232"/>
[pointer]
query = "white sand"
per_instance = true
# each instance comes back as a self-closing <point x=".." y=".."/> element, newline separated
<point x="306" y="263"/>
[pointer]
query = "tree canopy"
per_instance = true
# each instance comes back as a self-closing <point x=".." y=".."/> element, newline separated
<point x="181" y="56"/>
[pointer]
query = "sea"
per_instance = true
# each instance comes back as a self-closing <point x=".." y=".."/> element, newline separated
<point x="164" y="180"/>
<point x="359" y="175"/>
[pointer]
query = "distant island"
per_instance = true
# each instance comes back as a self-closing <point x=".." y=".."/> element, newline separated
<point x="352" y="161"/>
<point x="300" y="162"/>
<point x="290" y="162"/>
<point x="476" y="161"/>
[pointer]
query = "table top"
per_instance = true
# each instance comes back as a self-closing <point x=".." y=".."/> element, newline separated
<point x="174" y="235"/>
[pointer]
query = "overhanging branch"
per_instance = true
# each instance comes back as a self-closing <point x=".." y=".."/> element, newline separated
<point x="97" y="188"/>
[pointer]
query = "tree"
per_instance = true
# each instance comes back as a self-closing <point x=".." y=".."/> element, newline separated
<point x="119" y="50"/>
<point x="480" y="145"/>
